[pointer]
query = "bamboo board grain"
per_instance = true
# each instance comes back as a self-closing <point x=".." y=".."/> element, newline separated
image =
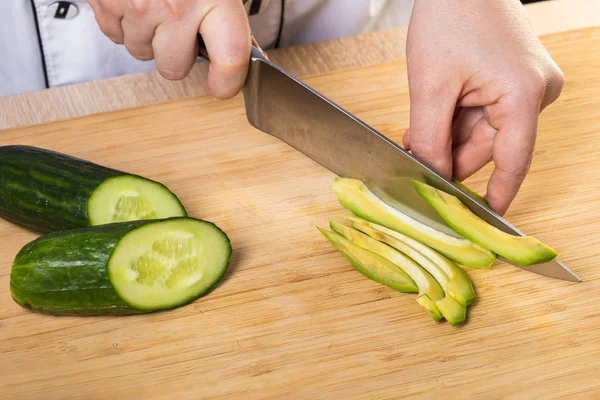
<point x="293" y="320"/>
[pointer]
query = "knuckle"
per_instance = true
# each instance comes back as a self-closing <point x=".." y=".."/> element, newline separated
<point x="556" y="82"/>
<point x="428" y="148"/>
<point x="516" y="173"/>
<point x="175" y="8"/>
<point x="233" y="62"/>
<point x="533" y="83"/>
<point x="139" y="6"/>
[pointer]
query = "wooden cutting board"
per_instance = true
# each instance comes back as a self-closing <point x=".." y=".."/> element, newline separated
<point x="293" y="320"/>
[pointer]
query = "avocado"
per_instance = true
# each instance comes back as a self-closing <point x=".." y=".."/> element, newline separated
<point x="473" y="194"/>
<point x="429" y="289"/>
<point x="455" y="282"/>
<point x="372" y="265"/>
<point x="521" y="250"/>
<point x="454" y="312"/>
<point x="354" y="195"/>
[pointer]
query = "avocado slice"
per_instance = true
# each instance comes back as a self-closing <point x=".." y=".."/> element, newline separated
<point x="473" y="194"/>
<point x="454" y="312"/>
<point x="354" y="195"/>
<point x="455" y="282"/>
<point x="372" y="265"/>
<point x="522" y="250"/>
<point x="430" y="290"/>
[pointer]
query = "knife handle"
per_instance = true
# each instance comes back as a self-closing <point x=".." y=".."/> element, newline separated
<point x="255" y="54"/>
<point x="202" y="52"/>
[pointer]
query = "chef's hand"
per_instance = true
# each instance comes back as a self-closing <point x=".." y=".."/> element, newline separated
<point x="166" y="30"/>
<point x="478" y="80"/>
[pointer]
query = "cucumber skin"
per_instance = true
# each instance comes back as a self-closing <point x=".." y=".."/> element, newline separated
<point x="64" y="273"/>
<point x="89" y="291"/>
<point x="45" y="191"/>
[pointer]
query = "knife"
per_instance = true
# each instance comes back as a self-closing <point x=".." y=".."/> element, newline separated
<point x="281" y="105"/>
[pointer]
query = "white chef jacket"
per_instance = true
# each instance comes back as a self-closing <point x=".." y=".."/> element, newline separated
<point x="49" y="43"/>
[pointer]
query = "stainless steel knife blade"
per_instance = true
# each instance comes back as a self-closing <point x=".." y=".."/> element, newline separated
<point x="281" y="105"/>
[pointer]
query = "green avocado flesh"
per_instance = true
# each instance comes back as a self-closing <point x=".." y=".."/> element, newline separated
<point x="522" y="250"/>
<point x="473" y="194"/>
<point x="120" y="268"/>
<point x="429" y="289"/>
<point x="354" y="195"/>
<point x="371" y="265"/>
<point x="454" y="312"/>
<point x="455" y="282"/>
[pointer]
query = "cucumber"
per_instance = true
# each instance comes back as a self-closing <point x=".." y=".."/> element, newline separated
<point x="120" y="268"/>
<point x="46" y="191"/>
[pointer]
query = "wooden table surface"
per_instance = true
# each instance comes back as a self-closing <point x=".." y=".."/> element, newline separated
<point x="293" y="320"/>
<point x="317" y="58"/>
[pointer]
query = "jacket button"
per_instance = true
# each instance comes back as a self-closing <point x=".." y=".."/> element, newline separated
<point x="62" y="10"/>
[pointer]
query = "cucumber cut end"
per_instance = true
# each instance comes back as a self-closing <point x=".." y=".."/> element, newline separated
<point x="168" y="263"/>
<point x="126" y="198"/>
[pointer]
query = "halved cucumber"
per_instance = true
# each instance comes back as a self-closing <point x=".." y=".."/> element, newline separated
<point x="120" y="268"/>
<point x="455" y="282"/>
<point x="371" y="265"/>
<point x="166" y="264"/>
<point x="46" y="191"/>
<point x="522" y="250"/>
<point x="354" y="195"/>
<point x="430" y="290"/>
<point x="131" y="198"/>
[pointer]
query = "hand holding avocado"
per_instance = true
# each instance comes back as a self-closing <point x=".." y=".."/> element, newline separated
<point x="478" y="77"/>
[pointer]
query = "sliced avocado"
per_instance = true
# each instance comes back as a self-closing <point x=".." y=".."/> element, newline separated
<point x="473" y="194"/>
<point x="429" y="289"/>
<point x="522" y="250"/>
<point x="454" y="312"/>
<point x="371" y="265"/>
<point x="455" y="282"/>
<point x="354" y="195"/>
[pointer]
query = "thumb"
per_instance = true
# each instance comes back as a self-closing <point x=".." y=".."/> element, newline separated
<point x="431" y="112"/>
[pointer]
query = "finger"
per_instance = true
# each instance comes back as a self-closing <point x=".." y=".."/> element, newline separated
<point x="175" y="45"/>
<point x="109" y="23"/>
<point x="406" y="140"/>
<point x="431" y="113"/>
<point x="139" y="27"/>
<point x="463" y="124"/>
<point x="476" y="152"/>
<point x="512" y="149"/>
<point x="226" y="33"/>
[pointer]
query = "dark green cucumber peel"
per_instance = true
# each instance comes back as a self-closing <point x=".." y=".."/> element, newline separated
<point x="45" y="191"/>
<point x="67" y="272"/>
